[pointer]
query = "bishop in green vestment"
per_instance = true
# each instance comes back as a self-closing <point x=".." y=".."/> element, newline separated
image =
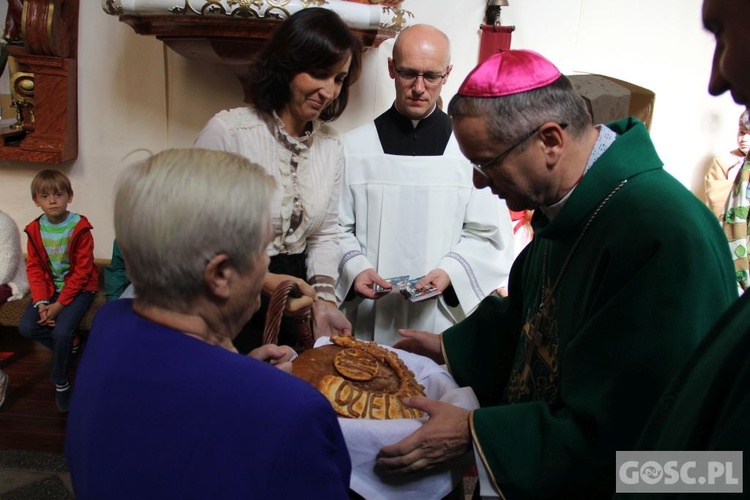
<point x="626" y="274"/>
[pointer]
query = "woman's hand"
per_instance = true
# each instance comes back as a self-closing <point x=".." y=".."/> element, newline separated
<point x="329" y="320"/>
<point x="280" y="356"/>
<point x="272" y="281"/>
<point x="294" y="306"/>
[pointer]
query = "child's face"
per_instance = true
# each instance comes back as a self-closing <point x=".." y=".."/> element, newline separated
<point x="743" y="140"/>
<point x="54" y="204"/>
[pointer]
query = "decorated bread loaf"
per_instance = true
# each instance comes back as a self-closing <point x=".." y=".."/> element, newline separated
<point x="360" y="379"/>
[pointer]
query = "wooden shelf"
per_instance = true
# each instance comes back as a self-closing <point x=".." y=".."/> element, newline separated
<point x="230" y="41"/>
<point x="224" y="40"/>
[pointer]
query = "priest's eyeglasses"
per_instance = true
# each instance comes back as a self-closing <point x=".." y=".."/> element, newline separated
<point x="430" y="78"/>
<point x="484" y="167"/>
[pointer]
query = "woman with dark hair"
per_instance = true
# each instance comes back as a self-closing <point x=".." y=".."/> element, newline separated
<point x="312" y="41"/>
<point x="300" y="81"/>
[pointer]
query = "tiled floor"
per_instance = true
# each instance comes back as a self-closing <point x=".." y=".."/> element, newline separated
<point x="32" y="466"/>
<point x="28" y="475"/>
<point x="29" y="419"/>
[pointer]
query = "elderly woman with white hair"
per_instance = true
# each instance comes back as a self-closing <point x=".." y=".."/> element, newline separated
<point x="164" y="406"/>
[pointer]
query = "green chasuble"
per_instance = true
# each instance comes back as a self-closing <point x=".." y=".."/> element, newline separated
<point x="638" y="271"/>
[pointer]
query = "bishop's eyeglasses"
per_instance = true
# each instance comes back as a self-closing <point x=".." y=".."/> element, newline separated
<point x="483" y="167"/>
<point x="430" y="78"/>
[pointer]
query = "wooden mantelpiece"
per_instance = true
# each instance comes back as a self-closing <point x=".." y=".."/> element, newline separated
<point x="44" y="79"/>
<point x="224" y="40"/>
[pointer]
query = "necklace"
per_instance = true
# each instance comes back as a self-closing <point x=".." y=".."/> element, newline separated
<point x="548" y="290"/>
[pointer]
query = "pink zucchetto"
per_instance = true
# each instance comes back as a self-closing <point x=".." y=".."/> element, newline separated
<point x="509" y="72"/>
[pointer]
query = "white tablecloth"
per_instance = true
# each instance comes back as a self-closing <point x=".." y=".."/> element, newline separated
<point x="364" y="438"/>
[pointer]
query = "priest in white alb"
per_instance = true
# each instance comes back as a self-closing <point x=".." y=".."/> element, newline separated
<point x="409" y="207"/>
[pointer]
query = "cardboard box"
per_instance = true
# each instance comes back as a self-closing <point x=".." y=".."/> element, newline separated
<point x="610" y="99"/>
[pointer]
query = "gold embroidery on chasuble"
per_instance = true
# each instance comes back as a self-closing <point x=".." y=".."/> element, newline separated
<point x="534" y="376"/>
<point x="535" y="373"/>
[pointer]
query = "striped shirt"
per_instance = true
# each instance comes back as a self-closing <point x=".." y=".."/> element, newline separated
<point x="56" y="239"/>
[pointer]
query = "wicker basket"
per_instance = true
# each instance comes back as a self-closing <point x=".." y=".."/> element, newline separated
<point x="302" y="319"/>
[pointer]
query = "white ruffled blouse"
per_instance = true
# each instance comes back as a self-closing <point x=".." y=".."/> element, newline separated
<point x="307" y="170"/>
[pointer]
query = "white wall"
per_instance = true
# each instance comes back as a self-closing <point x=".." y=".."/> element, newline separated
<point x="136" y="94"/>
